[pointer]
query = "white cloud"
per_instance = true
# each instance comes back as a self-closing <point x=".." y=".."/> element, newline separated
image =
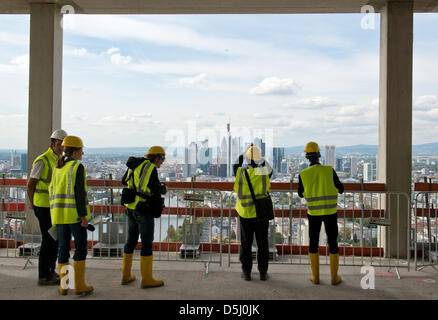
<point x="267" y="115"/>
<point x="312" y="103"/>
<point x="275" y="86"/>
<point x="117" y="59"/>
<point x="426" y="102"/>
<point x="79" y="52"/>
<point x="112" y="50"/>
<point x="143" y="115"/>
<point x="125" y="119"/>
<point x="19" y="64"/>
<point x="14" y="39"/>
<point x="353" y="110"/>
<point x="79" y="116"/>
<point x="163" y="33"/>
<point x="199" y="81"/>
<point x="13" y="131"/>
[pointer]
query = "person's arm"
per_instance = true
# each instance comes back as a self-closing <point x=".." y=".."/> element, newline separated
<point x="338" y="183"/>
<point x="237" y="165"/>
<point x="154" y="183"/>
<point x="124" y="182"/>
<point x="270" y="170"/>
<point x="34" y="177"/>
<point x="31" y="186"/>
<point x="300" y="187"/>
<point x="80" y="193"/>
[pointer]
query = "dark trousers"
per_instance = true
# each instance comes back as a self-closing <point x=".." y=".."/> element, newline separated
<point x="249" y="227"/>
<point x="49" y="246"/>
<point x="331" y="229"/>
<point x="65" y="231"/>
<point x="143" y="225"/>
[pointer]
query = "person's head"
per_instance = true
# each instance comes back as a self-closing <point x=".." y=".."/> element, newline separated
<point x="56" y="141"/>
<point x="156" y="155"/>
<point x="72" y="149"/>
<point x="253" y="155"/>
<point x="312" y="152"/>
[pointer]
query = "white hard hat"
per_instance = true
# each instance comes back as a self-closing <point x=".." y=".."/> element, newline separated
<point x="58" y="134"/>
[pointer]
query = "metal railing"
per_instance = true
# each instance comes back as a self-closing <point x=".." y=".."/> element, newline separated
<point x="362" y="220"/>
<point x="200" y="224"/>
<point x="425" y="230"/>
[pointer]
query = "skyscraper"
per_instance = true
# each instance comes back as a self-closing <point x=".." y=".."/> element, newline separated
<point x="190" y="160"/>
<point x="339" y="166"/>
<point x="278" y="154"/>
<point x="284" y="167"/>
<point x="353" y="167"/>
<point x="15" y="160"/>
<point x="229" y="161"/>
<point x="236" y="149"/>
<point x="330" y="156"/>
<point x="24" y="162"/>
<point x="368" y="171"/>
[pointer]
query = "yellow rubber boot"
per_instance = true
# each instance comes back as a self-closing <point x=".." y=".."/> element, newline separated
<point x="61" y="276"/>
<point x="147" y="281"/>
<point x="334" y="265"/>
<point x="314" y="265"/>
<point x="80" y="286"/>
<point x="126" y="269"/>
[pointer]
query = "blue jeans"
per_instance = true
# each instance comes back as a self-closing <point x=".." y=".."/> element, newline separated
<point x="139" y="225"/>
<point x="65" y="231"/>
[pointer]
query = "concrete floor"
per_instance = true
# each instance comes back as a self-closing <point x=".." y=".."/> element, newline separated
<point x="187" y="281"/>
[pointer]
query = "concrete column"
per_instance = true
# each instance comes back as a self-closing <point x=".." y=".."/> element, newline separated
<point x="45" y="81"/>
<point x="395" y="118"/>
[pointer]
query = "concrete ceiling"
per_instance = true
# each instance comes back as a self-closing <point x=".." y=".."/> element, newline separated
<point x="211" y="6"/>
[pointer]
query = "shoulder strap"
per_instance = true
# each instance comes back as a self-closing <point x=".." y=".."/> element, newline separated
<point x="139" y="193"/>
<point x="250" y="186"/>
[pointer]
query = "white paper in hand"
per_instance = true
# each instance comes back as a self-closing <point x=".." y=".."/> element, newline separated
<point x="53" y="232"/>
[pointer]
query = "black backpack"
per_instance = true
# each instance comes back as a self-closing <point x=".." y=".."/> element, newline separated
<point x="128" y="195"/>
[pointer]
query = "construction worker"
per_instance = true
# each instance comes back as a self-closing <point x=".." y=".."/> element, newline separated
<point x="38" y="194"/>
<point x="259" y="173"/>
<point x="70" y="212"/>
<point x="143" y="179"/>
<point x="320" y="186"/>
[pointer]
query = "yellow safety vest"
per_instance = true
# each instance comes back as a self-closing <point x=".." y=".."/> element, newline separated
<point x="261" y="185"/>
<point x="62" y="194"/>
<point x="319" y="190"/>
<point x="41" y="195"/>
<point x="141" y="182"/>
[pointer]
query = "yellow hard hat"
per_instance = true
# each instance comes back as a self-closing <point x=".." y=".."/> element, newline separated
<point x="254" y="153"/>
<point x="72" y="141"/>
<point x="155" y="150"/>
<point x="311" y="147"/>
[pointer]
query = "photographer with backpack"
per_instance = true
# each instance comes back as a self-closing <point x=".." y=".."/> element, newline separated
<point x="143" y="203"/>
